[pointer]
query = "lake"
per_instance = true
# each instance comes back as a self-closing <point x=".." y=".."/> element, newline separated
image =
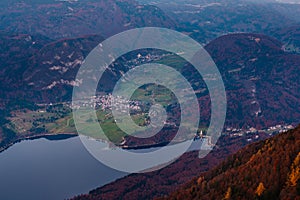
<point x="50" y="169"/>
<point x="56" y="169"/>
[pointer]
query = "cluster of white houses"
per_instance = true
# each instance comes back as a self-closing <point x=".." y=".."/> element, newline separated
<point x="253" y="133"/>
<point x="107" y="102"/>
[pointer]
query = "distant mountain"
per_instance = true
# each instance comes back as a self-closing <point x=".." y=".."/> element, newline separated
<point x="288" y="1"/>
<point x="268" y="169"/>
<point x="67" y="18"/>
<point x="290" y="38"/>
<point x="206" y="20"/>
<point x="15" y="51"/>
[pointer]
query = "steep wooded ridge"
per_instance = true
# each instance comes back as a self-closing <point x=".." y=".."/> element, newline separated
<point x="261" y="79"/>
<point x="268" y="169"/>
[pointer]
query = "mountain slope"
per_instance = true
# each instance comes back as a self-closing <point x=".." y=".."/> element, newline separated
<point x="15" y="50"/>
<point x="209" y="19"/>
<point x="261" y="79"/>
<point x="65" y="19"/>
<point x="51" y="72"/>
<point x="290" y="38"/>
<point x="268" y="169"/>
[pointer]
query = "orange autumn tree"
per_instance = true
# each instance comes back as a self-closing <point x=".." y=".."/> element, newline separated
<point x="294" y="174"/>
<point x="228" y="194"/>
<point x="260" y="189"/>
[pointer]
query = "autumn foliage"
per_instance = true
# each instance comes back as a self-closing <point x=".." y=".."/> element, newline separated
<point x="268" y="169"/>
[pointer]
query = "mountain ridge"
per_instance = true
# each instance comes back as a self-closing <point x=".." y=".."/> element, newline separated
<point x="268" y="169"/>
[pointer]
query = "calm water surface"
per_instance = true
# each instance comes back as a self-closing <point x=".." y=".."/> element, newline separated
<point x="44" y="169"/>
<point x="55" y="169"/>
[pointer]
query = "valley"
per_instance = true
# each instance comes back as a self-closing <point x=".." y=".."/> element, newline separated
<point x="254" y="44"/>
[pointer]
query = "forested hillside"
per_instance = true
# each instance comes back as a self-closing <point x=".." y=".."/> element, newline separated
<point x="268" y="169"/>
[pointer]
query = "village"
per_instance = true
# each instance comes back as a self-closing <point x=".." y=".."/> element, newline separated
<point x="252" y="133"/>
<point x="107" y="102"/>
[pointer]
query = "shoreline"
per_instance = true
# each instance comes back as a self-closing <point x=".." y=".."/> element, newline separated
<point x="145" y="146"/>
<point x="63" y="136"/>
<point x="48" y="136"/>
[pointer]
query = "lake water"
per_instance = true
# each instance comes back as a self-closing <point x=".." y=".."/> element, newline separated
<point x="56" y="169"/>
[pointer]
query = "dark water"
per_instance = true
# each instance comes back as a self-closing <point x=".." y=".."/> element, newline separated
<point x="56" y="169"/>
<point x="50" y="169"/>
